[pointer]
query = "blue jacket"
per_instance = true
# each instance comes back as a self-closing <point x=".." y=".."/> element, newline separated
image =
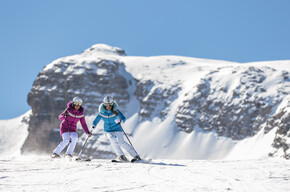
<point x="109" y="118"/>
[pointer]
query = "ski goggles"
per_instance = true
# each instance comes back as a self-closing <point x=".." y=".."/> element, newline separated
<point x="77" y="103"/>
<point x="108" y="104"/>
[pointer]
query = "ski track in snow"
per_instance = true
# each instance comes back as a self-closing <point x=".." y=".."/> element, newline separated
<point x="44" y="174"/>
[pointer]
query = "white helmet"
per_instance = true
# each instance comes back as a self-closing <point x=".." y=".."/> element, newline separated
<point x="108" y="101"/>
<point x="77" y="101"/>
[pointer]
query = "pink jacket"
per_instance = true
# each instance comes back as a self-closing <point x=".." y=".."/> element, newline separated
<point x="70" y="117"/>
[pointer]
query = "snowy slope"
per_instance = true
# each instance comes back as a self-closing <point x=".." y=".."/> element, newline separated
<point x="40" y="174"/>
<point x="13" y="134"/>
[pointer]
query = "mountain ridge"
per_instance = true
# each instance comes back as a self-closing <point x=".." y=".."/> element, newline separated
<point x="187" y="96"/>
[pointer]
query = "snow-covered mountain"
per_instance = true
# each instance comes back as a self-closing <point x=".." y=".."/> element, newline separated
<point x="177" y="107"/>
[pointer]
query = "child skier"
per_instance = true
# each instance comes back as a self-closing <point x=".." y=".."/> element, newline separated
<point x="112" y="117"/>
<point x="70" y="117"/>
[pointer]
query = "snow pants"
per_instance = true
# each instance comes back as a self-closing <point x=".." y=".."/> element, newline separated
<point x="117" y="141"/>
<point x="66" y="138"/>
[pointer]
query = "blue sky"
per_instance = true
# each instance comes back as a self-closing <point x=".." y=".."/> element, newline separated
<point x="33" y="33"/>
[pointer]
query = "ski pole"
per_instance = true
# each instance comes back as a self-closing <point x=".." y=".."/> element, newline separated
<point x="127" y="137"/>
<point x="78" y="158"/>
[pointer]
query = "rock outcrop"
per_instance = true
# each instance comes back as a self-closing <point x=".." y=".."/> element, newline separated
<point x="69" y="77"/>
<point x="250" y="99"/>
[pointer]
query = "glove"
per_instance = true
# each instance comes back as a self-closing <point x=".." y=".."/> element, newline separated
<point x="117" y="120"/>
<point x="89" y="133"/>
<point x="93" y="127"/>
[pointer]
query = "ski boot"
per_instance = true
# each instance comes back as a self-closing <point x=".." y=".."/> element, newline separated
<point x="54" y="155"/>
<point x="123" y="158"/>
<point x="136" y="158"/>
<point x="68" y="156"/>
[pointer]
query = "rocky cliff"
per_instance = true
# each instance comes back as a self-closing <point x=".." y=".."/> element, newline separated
<point x="69" y="77"/>
<point x="230" y="99"/>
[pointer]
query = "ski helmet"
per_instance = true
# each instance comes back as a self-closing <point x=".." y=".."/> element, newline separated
<point x="108" y="101"/>
<point x="77" y="101"/>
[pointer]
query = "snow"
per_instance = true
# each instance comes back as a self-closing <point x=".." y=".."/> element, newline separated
<point x="103" y="49"/>
<point x="254" y="147"/>
<point x="38" y="173"/>
<point x="13" y="134"/>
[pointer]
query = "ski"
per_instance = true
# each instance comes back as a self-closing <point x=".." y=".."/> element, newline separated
<point x="132" y="161"/>
<point x="136" y="158"/>
<point x="144" y="161"/>
<point x="80" y="159"/>
<point x="55" y="156"/>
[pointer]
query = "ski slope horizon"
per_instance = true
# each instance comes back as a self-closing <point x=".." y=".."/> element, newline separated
<point x="163" y="140"/>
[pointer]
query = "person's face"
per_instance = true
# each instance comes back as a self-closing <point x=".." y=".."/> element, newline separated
<point x="77" y="107"/>
<point x="109" y="107"/>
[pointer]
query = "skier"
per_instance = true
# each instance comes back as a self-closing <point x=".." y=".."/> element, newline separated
<point x="112" y="117"/>
<point x="70" y="117"/>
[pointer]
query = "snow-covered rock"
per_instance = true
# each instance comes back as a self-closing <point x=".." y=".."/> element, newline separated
<point x="172" y="103"/>
<point x="103" y="49"/>
<point x="90" y="75"/>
